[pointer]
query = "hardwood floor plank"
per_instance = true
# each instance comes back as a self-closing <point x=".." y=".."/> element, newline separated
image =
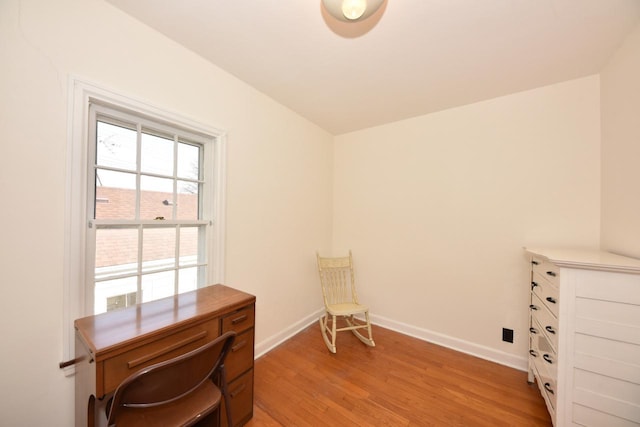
<point x="403" y="381"/>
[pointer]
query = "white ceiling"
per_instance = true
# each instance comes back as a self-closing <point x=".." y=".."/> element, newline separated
<point x="411" y="58"/>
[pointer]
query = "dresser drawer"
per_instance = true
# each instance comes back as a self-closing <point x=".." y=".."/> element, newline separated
<point x="546" y="377"/>
<point x="547" y="321"/>
<point x="546" y="269"/>
<point x="241" y="400"/>
<point x="545" y="393"/>
<point x="548" y="294"/>
<point x="547" y="385"/>
<point x="240" y="358"/>
<point x="125" y="364"/>
<point x="239" y="321"/>
<point x="545" y="354"/>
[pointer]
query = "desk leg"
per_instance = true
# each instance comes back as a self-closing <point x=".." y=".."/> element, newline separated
<point x="85" y="383"/>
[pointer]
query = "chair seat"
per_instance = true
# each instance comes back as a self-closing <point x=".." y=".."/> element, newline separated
<point x="346" y="309"/>
<point x="203" y="401"/>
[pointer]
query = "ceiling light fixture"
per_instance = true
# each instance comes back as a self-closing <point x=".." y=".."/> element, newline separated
<point x="352" y="10"/>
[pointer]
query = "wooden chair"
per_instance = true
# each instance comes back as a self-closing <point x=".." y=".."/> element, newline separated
<point x="341" y="300"/>
<point x="176" y="392"/>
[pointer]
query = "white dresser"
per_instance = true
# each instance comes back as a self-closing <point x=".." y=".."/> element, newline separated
<point x="584" y="336"/>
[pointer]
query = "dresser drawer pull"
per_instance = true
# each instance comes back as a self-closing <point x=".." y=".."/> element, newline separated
<point x="533" y="330"/>
<point x="533" y="353"/>
<point x="238" y="390"/>
<point x="239" y="346"/>
<point x="547" y="358"/>
<point x="535" y="262"/>
<point x="551" y="273"/>
<point x="239" y="319"/>
<point x="533" y="307"/>
<point x="133" y="363"/>
<point x="547" y="387"/>
<point x="551" y="300"/>
<point x="550" y="330"/>
<point x="533" y="285"/>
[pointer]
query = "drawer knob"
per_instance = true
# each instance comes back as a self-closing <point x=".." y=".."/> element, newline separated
<point x="551" y="300"/>
<point x="547" y="358"/>
<point x="550" y="329"/>
<point x="551" y="273"/>
<point x="533" y="307"/>
<point x="166" y="350"/>
<point x="534" y="262"/>
<point x="533" y="353"/>
<point x="547" y="387"/>
<point x="533" y="330"/>
<point x="533" y="285"/>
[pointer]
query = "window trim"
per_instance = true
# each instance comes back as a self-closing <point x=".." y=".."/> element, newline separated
<point x="75" y="272"/>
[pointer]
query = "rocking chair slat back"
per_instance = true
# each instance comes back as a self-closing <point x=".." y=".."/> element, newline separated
<point x="337" y="280"/>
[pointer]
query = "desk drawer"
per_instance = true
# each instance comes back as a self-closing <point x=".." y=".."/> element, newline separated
<point x="240" y="358"/>
<point x="125" y="364"/>
<point x="241" y="400"/>
<point x="239" y="321"/>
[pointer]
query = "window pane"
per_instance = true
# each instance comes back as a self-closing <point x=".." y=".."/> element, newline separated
<point x="108" y="293"/>
<point x="121" y="301"/>
<point x="188" y="161"/>
<point x="158" y="248"/>
<point x="156" y="198"/>
<point x="187" y="200"/>
<point x="116" y="252"/>
<point x="188" y="246"/>
<point x="157" y="155"/>
<point x="115" y="195"/>
<point x="115" y="146"/>
<point x="188" y="279"/>
<point x="157" y="285"/>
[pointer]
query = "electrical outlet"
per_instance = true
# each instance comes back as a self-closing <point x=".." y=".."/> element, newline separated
<point x="507" y="335"/>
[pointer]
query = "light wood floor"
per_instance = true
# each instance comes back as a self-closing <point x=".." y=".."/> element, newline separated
<point x="401" y="382"/>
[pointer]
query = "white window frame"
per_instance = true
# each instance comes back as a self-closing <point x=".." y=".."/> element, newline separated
<point x="76" y="264"/>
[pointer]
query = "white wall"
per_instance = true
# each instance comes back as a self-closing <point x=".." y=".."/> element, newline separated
<point x="279" y="182"/>
<point x="620" y="81"/>
<point x="437" y="209"/>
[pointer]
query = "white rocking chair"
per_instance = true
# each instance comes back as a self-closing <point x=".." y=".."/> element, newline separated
<point x="340" y="299"/>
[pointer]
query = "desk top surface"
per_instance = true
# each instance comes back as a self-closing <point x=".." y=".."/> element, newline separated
<point x="108" y="331"/>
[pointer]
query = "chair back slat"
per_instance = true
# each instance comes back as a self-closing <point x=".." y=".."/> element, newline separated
<point x="337" y="280"/>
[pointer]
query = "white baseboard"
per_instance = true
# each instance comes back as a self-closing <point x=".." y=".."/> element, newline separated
<point x="463" y="346"/>
<point x="483" y="352"/>
<point x="273" y="341"/>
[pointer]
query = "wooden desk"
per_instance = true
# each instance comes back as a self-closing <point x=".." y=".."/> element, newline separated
<point x="111" y="346"/>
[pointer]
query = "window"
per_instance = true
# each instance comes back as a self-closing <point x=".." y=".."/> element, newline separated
<point x="144" y="204"/>
<point x="147" y="222"/>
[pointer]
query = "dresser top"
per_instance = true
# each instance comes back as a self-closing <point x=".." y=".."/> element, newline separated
<point x="588" y="259"/>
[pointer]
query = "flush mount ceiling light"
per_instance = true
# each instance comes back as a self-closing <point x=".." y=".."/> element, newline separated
<point x="352" y="10"/>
